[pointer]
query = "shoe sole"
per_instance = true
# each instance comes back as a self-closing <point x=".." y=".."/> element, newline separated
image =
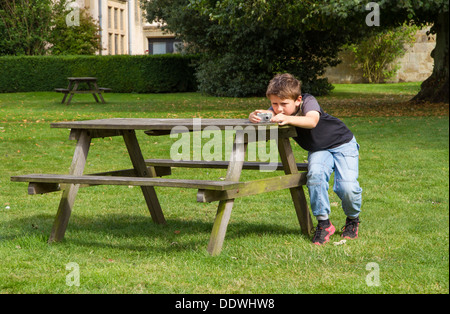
<point x="331" y="230"/>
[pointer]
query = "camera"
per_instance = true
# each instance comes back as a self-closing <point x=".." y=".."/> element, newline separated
<point x="265" y="117"/>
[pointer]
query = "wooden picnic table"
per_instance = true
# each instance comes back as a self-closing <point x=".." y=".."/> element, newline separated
<point x="74" y="83"/>
<point x="148" y="173"/>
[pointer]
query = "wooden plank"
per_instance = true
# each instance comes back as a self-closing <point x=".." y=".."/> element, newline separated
<point x="225" y="206"/>
<point x="141" y="170"/>
<point x="42" y="188"/>
<point x="251" y="131"/>
<point x="134" y="181"/>
<point x="69" y="194"/>
<point x="72" y="91"/>
<point x="160" y="124"/>
<point x="297" y="193"/>
<point x="248" y="165"/>
<point x="84" y="91"/>
<point x="74" y="133"/>
<point x="82" y="78"/>
<point x="99" y="92"/>
<point x="253" y="188"/>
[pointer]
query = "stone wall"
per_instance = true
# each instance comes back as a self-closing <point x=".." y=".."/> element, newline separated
<point x="415" y="66"/>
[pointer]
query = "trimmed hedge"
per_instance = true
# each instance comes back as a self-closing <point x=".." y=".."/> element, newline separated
<point x="122" y="73"/>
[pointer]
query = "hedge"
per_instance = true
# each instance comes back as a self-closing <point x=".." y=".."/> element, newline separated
<point x="122" y="73"/>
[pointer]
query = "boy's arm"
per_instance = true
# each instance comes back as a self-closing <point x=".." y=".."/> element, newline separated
<point x="254" y="118"/>
<point x="308" y="121"/>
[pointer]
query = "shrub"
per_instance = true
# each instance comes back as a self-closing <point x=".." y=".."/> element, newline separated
<point x="376" y="55"/>
<point x="122" y="73"/>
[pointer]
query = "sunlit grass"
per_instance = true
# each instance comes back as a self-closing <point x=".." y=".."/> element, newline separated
<point x="404" y="170"/>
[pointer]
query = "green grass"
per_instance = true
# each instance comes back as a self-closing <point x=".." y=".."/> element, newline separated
<point x="404" y="173"/>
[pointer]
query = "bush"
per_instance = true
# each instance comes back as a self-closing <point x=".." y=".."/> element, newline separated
<point x="122" y="73"/>
<point x="377" y="54"/>
<point x="232" y="76"/>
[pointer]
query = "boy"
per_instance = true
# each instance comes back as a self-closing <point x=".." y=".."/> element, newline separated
<point x="331" y="147"/>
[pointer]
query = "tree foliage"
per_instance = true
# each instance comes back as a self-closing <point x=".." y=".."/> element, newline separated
<point x="246" y="41"/>
<point x="240" y="58"/>
<point x="24" y="26"/>
<point x="82" y="39"/>
<point x="38" y="27"/>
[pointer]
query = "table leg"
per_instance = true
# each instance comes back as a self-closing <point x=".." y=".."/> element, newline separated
<point x="69" y="194"/>
<point x="224" y="209"/>
<point x="95" y="89"/>
<point x="99" y="92"/>
<point x="141" y="170"/>
<point x="71" y="92"/>
<point x="297" y="194"/>
<point x="65" y="94"/>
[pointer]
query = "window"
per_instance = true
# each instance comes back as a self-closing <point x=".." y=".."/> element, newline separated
<point x="110" y="39"/>
<point x="109" y="16"/>
<point x="117" y="33"/>
<point x="116" y="44"/>
<point x="158" y="46"/>
<point x="116" y="24"/>
<point x="121" y="20"/>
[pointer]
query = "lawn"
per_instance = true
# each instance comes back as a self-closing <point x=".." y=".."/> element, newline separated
<point x="404" y="233"/>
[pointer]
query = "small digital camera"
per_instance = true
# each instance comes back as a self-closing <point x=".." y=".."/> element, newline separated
<point x="265" y="117"/>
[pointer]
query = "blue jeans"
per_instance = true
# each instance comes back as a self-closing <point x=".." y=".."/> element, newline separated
<point x="343" y="160"/>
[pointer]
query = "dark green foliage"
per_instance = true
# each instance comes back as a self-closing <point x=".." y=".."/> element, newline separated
<point x="301" y="37"/>
<point x="83" y="39"/>
<point x="24" y="26"/>
<point x="122" y="73"/>
<point x="39" y="27"/>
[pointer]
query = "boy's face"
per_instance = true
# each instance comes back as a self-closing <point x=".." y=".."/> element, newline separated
<point x="287" y="107"/>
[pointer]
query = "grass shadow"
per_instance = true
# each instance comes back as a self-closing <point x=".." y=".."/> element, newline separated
<point x="138" y="232"/>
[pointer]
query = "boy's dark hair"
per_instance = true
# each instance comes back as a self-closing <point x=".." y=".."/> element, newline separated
<point x="285" y="86"/>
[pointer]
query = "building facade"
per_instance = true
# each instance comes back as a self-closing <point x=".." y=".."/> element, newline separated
<point x="124" y="29"/>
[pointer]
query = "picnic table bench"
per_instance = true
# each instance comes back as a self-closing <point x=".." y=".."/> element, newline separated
<point x="148" y="173"/>
<point x="74" y="83"/>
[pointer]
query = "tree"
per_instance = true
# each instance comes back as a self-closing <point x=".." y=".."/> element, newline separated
<point x="24" y="26"/>
<point x="289" y="34"/>
<point x="395" y="13"/>
<point x="240" y="58"/>
<point x="38" y="27"/>
<point x="80" y="39"/>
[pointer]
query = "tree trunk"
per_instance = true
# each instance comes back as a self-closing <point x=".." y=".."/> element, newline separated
<point x="435" y="88"/>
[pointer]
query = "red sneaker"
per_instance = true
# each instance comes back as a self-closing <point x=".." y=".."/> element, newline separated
<point x="324" y="231"/>
<point x="350" y="230"/>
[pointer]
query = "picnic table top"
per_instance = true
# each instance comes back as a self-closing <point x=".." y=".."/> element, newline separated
<point x="84" y="78"/>
<point x="156" y="124"/>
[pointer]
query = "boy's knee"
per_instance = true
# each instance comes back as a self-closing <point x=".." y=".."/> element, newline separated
<point x="347" y="189"/>
<point x="316" y="175"/>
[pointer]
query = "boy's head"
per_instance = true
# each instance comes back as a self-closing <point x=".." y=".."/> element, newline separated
<point x="284" y="92"/>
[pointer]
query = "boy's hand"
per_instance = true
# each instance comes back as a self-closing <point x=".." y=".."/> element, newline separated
<point x="281" y="119"/>
<point x="253" y="118"/>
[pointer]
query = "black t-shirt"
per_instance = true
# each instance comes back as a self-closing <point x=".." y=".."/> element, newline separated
<point x="330" y="132"/>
